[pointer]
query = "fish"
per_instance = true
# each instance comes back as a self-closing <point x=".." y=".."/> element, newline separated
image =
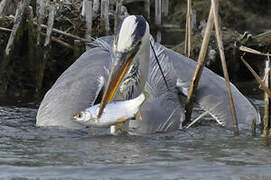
<point x="114" y="113"/>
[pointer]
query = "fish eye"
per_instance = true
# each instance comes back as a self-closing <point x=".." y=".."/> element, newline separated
<point x="79" y="116"/>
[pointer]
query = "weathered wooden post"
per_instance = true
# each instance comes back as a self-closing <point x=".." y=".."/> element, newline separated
<point x="198" y="71"/>
<point x="88" y="15"/>
<point x="3" y="5"/>
<point x="147" y="8"/>
<point x="105" y="15"/>
<point x="258" y="79"/>
<point x="83" y="11"/>
<point x="18" y="18"/>
<point x="31" y="43"/>
<point x="158" y="19"/>
<point x="267" y="110"/>
<point x="41" y="10"/>
<point x="117" y="18"/>
<point x="50" y="25"/>
<point x="165" y="7"/>
<point x="46" y="47"/>
<point x="187" y="45"/>
<point x="224" y="64"/>
<point x="9" y="50"/>
<point x="96" y="6"/>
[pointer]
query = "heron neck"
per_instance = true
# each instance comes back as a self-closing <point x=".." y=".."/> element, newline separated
<point x="134" y="82"/>
<point x="144" y="61"/>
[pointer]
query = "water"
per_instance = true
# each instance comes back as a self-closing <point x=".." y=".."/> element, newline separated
<point x="203" y="152"/>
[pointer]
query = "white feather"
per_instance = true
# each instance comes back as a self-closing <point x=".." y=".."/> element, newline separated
<point x="125" y="35"/>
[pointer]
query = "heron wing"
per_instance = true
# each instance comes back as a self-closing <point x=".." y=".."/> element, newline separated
<point x="212" y="93"/>
<point x="77" y="87"/>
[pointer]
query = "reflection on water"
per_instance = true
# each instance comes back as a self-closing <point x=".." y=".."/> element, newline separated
<point x="202" y="152"/>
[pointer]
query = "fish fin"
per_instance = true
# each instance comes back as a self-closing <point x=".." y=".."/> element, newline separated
<point x="122" y="119"/>
<point x="138" y="115"/>
<point x="121" y="128"/>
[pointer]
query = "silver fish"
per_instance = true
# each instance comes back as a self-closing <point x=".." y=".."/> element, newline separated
<point x="114" y="113"/>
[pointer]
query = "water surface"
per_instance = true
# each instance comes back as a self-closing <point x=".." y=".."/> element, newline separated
<point x="202" y="152"/>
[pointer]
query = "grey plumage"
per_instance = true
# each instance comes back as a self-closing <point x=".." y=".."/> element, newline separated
<point x="122" y="68"/>
<point x="76" y="89"/>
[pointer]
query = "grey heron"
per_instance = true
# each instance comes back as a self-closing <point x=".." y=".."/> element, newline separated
<point x="121" y="67"/>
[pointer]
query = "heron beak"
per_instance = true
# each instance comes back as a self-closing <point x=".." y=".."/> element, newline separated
<point x="119" y="69"/>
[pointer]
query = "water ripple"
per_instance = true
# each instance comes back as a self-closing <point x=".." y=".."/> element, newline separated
<point x="202" y="152"/>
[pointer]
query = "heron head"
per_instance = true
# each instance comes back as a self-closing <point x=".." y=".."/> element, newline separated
<point x="129" y="43"/>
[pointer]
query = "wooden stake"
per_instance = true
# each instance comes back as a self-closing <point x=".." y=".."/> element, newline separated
<point x="253" y="127"/>
<point x="224" y="65"/>
<point x="158" y="19"/>
<point x="96" y="6"/>
<point x="65" y="33"/>
<point x="258" y="79"/>
<point x="250" y="50"/>
<point x="117" y="18"/>
<point x="18" y="18"/>
<point x="88" y="16"/>
<point x="147" y="8"/>
<point x="198" y="71"/>
<point x="165" y="7"/>
<point x="267" y="111"/>
<point x="83" y="11"/>
<point x="105" y="15"/>
<point x="46" y="49"/>
<point x="40" y="16"/>
<point x="3" y="5"/>
<point x="53" y="38"/>
<point x="50" y="25"/>
<point x="187" y="45"/>
<point x="5" y="29"/>
<point x="201" y="116"/>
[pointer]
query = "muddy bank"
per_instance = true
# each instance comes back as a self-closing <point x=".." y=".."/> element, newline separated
<point x="24" y="75"/>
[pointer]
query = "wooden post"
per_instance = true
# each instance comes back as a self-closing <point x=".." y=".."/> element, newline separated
<point x="40" y="16"/>
<point x="46" y="48"/>
<point x="96" y="6"/>
<point x="38" y="2"/>
<point x="198" y="71"/>
<point x="83" y="11"/>
<point x="88" y="14"/>
<point x="187" y="46"/>
<point x="224" y="65"/>
<point x="117" y="18"/>
<point x="18" y="18"/>
<point x="105" y="15"/>
<point x="158" y="19"/>
<point x="258" y="79"/>
<point x="50" y="25"/>
<point x="165" y="7"/>
<point x="253" y="127"/>
<point x="31" y="43"/>
<point x="147" y="8"/>
<point x="267" y="110"/>
<point x="3" y="5"/>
